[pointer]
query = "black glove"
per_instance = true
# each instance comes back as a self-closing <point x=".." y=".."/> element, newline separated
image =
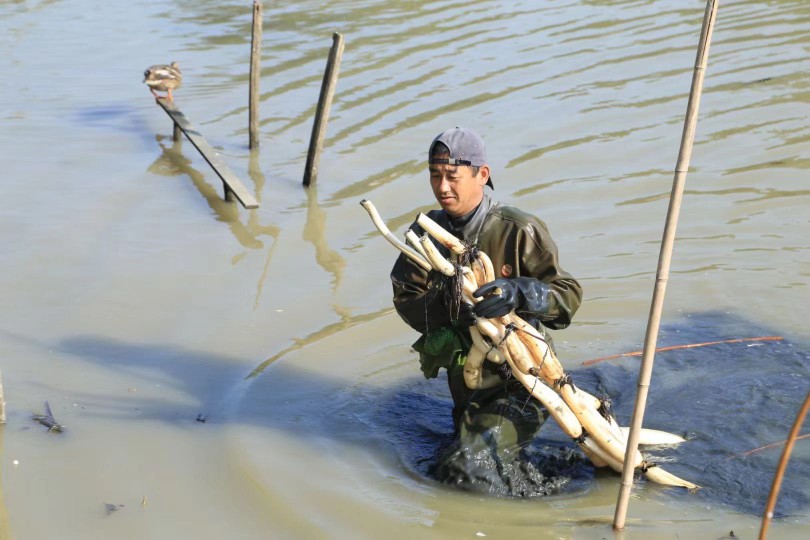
<point x="465" y="317"/>
<point x="522" y="294"/>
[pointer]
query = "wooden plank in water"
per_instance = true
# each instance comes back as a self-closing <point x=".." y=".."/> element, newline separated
<point x="231" y="182"/>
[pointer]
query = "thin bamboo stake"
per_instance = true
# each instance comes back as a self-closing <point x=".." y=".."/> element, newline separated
<point x="686" y="346"/>
<point x="780" y="469"/>
<point x="766" y="447"/>
<point x="255" y="74"/>
<point x="681" y="168"/>
<point x="330" y="77"/>
<point x="2" y="402"/>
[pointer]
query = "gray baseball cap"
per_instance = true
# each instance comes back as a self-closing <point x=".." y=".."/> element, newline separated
<point x="466" y="148"/>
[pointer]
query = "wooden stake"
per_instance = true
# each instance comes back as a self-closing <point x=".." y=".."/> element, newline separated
<point x="255" y="74"/>
<point x="780" y="469"/>
<point x="322" y="113"/>
<point x="177" y="134"/>
<point x="665" y="256"/>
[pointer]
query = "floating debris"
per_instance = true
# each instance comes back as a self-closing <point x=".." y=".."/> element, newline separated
<point x="48" y="420"/>
<point x="110" y="508"/>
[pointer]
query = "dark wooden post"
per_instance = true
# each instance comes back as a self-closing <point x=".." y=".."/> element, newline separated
<point x="177" y="134"/>
<point x="322" y="113"/>
<point x="255" y="74"/>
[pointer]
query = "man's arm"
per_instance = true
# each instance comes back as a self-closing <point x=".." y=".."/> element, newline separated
<point x="531" y="280"/>
<point x="419" y="305"/>
<point x="540" y="259"/>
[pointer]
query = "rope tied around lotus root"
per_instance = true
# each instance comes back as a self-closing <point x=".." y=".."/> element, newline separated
<point x="436" y="285"/>
<point x="647" y="465"/>
<point x="469" y="256"/>
<point x="565" y="379"/>
<point x="449" y="287"/>
<point x="492" y="347"/>
<point x="540" y="337"/>
<point x="582" y="437"/>
<point x="529" y="397"/>
<point x="508" y="329"/>
<point x="453" y="290"/>
<point x="605" y="408"/>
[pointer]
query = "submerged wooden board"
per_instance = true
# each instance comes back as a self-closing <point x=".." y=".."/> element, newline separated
<point x="229" y="179"/>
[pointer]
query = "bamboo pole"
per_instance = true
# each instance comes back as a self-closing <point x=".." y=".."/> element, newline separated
<point x="255" y="73"/>
<point x="5" y="528"/>
<point x="780" y="469"/>
<point x="766" y="447"/>
<point x="685" y="346"/>
<point x="2" y="402"/>
<point x="322" y="112"/>
<point x="665" y="256"/>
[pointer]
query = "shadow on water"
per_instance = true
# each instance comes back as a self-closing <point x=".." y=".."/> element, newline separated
<point x="729" y="399"/>
<point x="117" y="117"/>
<point x="172" y="163"/>
<point x="191" y="381"/>
<point x="315" y="233"/>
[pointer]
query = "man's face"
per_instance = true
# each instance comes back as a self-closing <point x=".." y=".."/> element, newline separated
<point x="456" y="188"/>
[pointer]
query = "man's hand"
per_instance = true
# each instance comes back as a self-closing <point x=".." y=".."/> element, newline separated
<point x="518" y="294"/>
<point x="464" y="317"/>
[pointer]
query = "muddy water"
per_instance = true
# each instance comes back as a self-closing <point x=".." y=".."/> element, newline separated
<point x="136" y="301"/>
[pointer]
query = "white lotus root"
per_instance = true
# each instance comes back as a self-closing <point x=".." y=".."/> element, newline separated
<point x="512" y="340"/>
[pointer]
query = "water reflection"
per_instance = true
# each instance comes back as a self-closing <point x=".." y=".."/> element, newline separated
<point x="364" y="187"/>
<point x="172" y="163"/>
<point x="315" y="233"/>
<point x="256" y="174"/>
<point x="346" y="321"/>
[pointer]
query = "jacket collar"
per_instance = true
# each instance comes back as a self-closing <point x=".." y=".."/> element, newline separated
<point x="469" y="227"/>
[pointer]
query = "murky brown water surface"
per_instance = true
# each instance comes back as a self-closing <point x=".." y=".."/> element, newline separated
<point x="135" y="299"/>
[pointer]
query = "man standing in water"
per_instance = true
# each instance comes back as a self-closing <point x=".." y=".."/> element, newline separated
<point x="499" y="419"/>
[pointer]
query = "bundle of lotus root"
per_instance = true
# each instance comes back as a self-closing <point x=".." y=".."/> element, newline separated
<point x="582" y="416"/>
